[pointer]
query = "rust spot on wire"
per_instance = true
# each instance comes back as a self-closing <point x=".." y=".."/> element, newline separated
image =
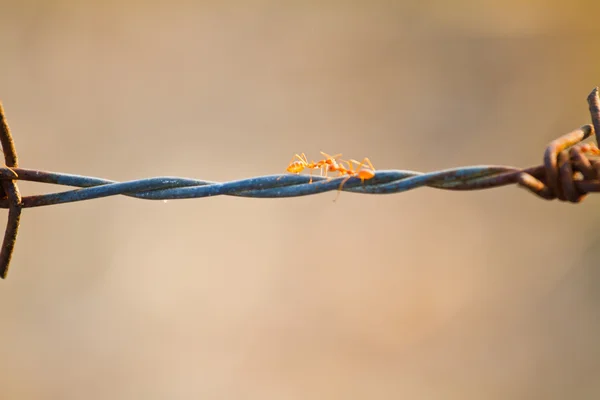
<point x="570" y="171"/>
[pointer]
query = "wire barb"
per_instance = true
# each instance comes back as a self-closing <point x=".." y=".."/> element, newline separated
<point x="570" y="171"/>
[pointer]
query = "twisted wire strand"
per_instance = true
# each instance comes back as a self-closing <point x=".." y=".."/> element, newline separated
<point x="570" y="171"/>
<point x="270" y="186"/>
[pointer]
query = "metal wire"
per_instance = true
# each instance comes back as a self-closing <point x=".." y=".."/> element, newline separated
<point x="571" y="170"/>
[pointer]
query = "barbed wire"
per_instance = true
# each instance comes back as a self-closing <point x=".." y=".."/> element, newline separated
<point x="570" y="171"/>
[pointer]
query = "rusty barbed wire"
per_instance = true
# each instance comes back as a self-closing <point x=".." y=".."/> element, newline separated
<point x="570" y="171"/>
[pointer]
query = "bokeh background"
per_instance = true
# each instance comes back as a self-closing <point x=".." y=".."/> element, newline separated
<point x="422" y="295"/>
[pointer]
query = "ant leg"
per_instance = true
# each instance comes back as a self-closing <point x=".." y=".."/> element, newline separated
<point x="313" y="165"/>
<point x="325" y="168"/>
<point x="350" y="166"/>
<point x="340" y="188"/>
<point x="368" y="162"/>
<point x="301" y="157"/>
<point x="364" y="163"/>
<point x="331" y="157"/>
<point x="359" y="164"/>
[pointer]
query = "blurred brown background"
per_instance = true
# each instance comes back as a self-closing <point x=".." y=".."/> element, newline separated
<point x="422" y="295"/>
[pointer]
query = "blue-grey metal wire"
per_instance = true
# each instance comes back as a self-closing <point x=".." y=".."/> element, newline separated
<point x="269" y="186"/>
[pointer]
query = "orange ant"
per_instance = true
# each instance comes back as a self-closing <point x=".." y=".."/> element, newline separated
<point x="299" y="162"/>
<point x="330" y="164"/>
